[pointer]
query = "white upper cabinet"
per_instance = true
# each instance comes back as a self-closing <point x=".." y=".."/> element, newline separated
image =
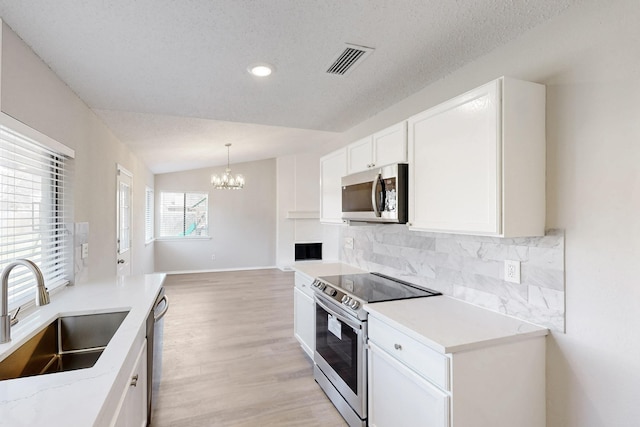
<point x="333" y="167"/>
<point x="382" y="148"/>
<point x="390" y="145"/>
<point x="477" y="162"/>
<point x="360" y="155"/>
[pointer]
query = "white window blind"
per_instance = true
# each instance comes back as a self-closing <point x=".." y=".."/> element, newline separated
<point x="148" y="214"/>
<point x="33" y="223"/>
<point x="184" y="215"/>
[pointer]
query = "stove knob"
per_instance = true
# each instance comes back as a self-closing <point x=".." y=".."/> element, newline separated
<point x="354" y="304"/>
<point x="315" y="283"/>
<point x="345" y="299"/>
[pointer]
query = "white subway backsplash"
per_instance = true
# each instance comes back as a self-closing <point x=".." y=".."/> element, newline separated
<point x="470" y="268"/>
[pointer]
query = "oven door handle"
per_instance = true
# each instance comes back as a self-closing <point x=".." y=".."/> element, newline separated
<point x="340" y="317"/>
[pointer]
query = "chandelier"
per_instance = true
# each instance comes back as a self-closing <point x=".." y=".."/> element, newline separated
<point x="227" y="180"/>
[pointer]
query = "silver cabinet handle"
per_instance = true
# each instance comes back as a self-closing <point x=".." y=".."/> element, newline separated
<point x="397" y="346"/>
<point x="134" y="380"/>
<point x="120" y="261"/>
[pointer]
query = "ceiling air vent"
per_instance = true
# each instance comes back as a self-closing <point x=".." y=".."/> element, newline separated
<point x="348" y="59"/>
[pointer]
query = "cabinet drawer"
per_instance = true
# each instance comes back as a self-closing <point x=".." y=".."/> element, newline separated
<point x="426" y="362"/>
<point x="303" y="282"/>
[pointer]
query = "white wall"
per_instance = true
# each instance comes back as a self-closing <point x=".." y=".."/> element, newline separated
<point x="589" y="58"/>
<point x="286" y="201"/>
<point x="298" y="178"/>
<point x="33" y="94"/>
<point x="242" y="223"/>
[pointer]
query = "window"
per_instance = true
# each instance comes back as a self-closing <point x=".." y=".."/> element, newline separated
<point x="148" y="214"/>
<point x="184" y="215"/>
<point x="33" y="205"/>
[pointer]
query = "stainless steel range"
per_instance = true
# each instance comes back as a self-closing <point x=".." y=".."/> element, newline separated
<point x="341" y="335"/>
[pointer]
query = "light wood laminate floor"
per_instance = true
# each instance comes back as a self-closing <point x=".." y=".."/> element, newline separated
<point x="230" y="358"/>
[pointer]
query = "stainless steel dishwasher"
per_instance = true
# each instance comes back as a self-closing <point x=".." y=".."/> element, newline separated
<point x="154" y="348"/>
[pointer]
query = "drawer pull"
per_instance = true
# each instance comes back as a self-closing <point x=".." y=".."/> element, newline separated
<point x="134" y="380"/>
<point x="397" y="346"/>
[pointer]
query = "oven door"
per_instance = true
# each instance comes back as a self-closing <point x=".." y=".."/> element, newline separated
<point x="340" y="352"/>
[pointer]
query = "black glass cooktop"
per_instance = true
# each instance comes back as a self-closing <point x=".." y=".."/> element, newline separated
<point x="376" y="287"/>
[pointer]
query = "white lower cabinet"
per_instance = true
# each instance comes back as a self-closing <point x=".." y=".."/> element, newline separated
<point x="304" y="314"/>
<point x="132" y="410"/>
<point x="399" y="397"/>
<point x="484" y="385"/>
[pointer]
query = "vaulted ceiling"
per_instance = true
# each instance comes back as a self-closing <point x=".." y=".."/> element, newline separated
<point x="170" y="77"/>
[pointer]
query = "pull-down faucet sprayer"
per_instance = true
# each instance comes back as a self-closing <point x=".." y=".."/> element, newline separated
<point x="42" y="295"/>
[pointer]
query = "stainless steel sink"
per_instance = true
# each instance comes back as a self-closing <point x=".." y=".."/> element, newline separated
<point x="67" y="343"/>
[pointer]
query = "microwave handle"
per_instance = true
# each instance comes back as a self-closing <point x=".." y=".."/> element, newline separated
<point x="374" y="201"/>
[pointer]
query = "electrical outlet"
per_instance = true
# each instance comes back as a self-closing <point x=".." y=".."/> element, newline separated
<point x="348" y="242"/>
<point x="512" y="271"/>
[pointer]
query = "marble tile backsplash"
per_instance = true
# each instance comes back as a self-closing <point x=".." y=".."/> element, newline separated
<point x="470" y="268"/>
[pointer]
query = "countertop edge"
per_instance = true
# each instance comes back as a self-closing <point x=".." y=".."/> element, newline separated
<point x="313" y="269"/>
<point x="498" y="338"/>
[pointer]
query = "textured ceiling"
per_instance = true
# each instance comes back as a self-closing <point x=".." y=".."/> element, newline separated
<point x="164" y="74"/>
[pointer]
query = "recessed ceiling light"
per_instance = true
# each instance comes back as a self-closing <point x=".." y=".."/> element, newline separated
<point x="260" y="69"/>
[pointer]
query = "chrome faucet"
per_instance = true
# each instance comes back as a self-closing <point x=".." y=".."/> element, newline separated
<point x="42" y="295"/>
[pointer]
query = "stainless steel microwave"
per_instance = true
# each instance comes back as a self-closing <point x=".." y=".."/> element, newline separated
<point x="376" y="195"/>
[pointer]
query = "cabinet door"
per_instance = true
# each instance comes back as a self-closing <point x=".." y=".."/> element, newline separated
<point x="359" y="155"/>
<point x="304" y="321"/>
<point x="398" y="397"/>
<point x="133" y="407"/>
<point x="333" y="167"/>
<point x="455" y="153"/>
<point x="390" y="145"/>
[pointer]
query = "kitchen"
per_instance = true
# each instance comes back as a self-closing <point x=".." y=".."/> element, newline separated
<point x="588" y="59"/>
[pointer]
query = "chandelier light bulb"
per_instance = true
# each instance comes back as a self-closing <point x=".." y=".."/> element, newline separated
<point x="227" y="181"/>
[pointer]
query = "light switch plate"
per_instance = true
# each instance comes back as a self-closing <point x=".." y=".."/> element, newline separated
<point x="512" y="271"/>
<point x="84" y="250"/>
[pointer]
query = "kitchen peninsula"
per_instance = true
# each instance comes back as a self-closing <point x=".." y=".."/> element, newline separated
<point x="90" y="396"/>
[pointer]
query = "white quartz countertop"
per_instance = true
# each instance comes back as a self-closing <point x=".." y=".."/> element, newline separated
<point x="449" y="325"/>
<point x="315" y="269"/>
<point x="75" y="398"/>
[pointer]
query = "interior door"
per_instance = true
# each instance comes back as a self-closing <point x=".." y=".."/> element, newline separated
<point x="123" y="190"/>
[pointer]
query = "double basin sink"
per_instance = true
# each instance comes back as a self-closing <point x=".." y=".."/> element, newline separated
<point x="66" y="344"/>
